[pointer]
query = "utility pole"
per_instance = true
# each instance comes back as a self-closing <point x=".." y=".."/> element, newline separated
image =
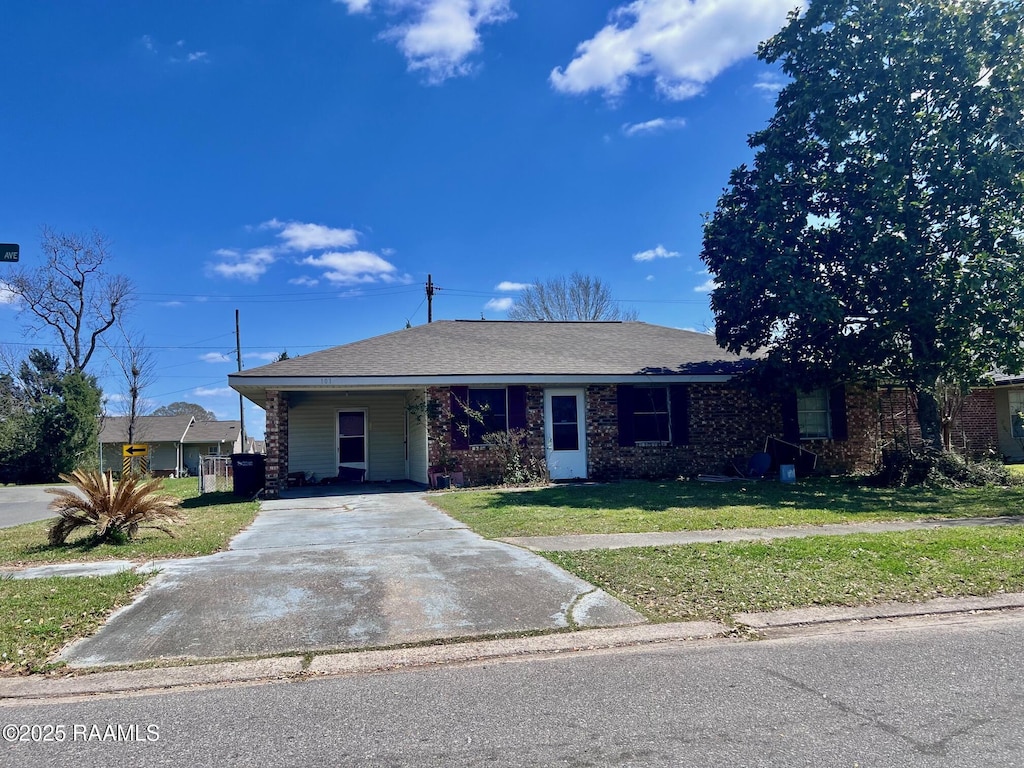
<point x="430" y="298"/>
<point x="241" y="399"/>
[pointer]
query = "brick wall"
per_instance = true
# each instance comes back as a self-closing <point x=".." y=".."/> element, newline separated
<point x="727" y="422"/>
<point x="277" y="442"/>
<point x="974" y="431"/>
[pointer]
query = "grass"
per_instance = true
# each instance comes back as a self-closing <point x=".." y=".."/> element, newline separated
<point x="714" y="581"/>
<point x="638" y="506"/>
<point x="40" y="616"/>
<point x="212" y="520"/>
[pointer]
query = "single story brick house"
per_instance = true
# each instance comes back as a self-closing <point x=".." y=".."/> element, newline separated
<point x="175" y="442"/>
<point x="598" y="400"/>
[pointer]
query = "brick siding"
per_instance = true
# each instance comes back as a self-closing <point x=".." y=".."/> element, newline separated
<point x="974" y="432"/>
<point x="727" y="423"/>
<point x="277" y="442"/>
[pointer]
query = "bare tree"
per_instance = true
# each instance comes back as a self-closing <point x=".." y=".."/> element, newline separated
<point x="577" y="297"/>
<point x="137" y="367"/>
<point x="72" y="294"/>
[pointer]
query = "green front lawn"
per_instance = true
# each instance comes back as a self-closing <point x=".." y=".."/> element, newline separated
<point x="714" y="581"/>
<point x="39" y="616"/>
<point x="638" y="506"/>
<point x="213" y="519"/>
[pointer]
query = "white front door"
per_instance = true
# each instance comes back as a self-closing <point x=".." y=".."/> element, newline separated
<point x="565" y="433"/>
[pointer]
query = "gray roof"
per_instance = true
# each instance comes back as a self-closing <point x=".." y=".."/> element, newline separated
<point x="454" y="348"/>
<point x="148" y="429"/>
<point x="213" y="432"/>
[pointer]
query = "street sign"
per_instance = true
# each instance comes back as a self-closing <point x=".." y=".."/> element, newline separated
<point x="9" y="251"/>
<point x="134" y="450"/>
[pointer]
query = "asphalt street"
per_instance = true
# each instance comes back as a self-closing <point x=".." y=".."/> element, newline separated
<point x="24" y="504"/>
<point x="909" y="693"/>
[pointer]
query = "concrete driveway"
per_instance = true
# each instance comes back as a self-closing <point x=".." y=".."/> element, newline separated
<point x="25" y="503"/>
<point x="340" y="572"/>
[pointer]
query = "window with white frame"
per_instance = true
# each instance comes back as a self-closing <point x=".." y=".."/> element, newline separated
<point x="1016" y="397"/>
<point x="812" y="412"/>
<point x="488" y="413"/>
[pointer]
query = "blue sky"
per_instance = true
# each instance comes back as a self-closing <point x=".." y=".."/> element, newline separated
<point x="309" y="162"/>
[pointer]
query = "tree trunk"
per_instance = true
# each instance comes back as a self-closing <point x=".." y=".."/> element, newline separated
<point x="928" y="419"/>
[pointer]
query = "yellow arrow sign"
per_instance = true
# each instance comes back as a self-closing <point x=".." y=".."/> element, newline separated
<point x="134" y="450"/>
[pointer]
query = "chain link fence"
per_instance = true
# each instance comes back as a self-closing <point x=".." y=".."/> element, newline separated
<point x="215" y="474"/>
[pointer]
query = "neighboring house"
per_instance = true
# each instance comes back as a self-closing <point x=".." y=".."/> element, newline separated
<point x="210" y="438"/>
<point x="163" y="435"/>
<point x="599" y="400"/>
<point x="175" y="442"/>
<point x="1008" y="396"/>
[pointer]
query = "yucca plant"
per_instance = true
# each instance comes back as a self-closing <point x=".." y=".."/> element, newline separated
<point x="115" y="510"/>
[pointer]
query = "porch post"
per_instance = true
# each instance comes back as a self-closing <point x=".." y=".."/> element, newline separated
<point x="277" y="442"/>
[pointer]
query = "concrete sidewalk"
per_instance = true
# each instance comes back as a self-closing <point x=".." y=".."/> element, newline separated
<point x="577" y="542"/>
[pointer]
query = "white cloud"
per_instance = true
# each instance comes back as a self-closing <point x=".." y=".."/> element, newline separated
<point x="304" y="280"/>
<point x="171" y="304"/>
<point x="215" y="357"/>
<point x="658" y="252"/>
<point x="770" y="82"/>
<point x="198" y="56"/>
<point x="213" y="391"/>
<point x="355" y="6"/>
<point x="657" y="125"/>
<point x="7" y="296"/>
<point x="271" y="356"/>
<point x="649" y="278"/>
<point x="706" y="287"/>
<point x="303" y="237"/>
<point x="508" y="286"/>
<point x="681" y="44"/>
<point x="438" y="36"/>
<point x="248" y="266"/>
<point x="499" y="305"/>
<point x="353" y="267"/>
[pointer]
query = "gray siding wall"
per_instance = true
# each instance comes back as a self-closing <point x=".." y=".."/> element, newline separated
<point x="417" y="437"/>
<point x="313" y="432"/>
<point x="1008" y="446"/>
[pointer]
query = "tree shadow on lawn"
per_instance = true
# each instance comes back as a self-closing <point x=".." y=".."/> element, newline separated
<point x="830" y="494"/>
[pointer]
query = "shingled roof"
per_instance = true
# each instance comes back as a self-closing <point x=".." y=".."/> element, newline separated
<point x="461" y="349"/>
<point x="213" y="432"/>
<point x="148" y="429"/>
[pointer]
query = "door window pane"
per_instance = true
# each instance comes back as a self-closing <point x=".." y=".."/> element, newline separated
<point x="565" y="434"/>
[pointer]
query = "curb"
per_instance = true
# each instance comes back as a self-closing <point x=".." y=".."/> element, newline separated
<point x="19" y="690"/>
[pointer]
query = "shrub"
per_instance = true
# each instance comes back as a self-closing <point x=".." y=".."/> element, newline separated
<point x="944" y="469"/>
<point x="116" y="511"/>
<point x="519" y="464"/>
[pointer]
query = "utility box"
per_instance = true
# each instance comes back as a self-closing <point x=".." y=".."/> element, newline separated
<point x="250" y="473"/>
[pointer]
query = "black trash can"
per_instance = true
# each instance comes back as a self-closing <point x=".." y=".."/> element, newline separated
<point x="250" y="473"/>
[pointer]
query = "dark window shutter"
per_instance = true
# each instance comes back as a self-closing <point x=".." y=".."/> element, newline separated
<point x="517" y="407"/>
<point x="837" y="412"/>
<point x="624" y="396"/>
<point x="460" y="419"/>
<point x="790" y="418"/>
<point x="679" y="411"/>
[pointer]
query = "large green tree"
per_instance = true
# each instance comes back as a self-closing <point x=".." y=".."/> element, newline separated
<point x="49" y="421"/>
<point x="878" y="234"/>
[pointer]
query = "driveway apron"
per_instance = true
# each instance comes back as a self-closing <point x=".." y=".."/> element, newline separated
<point x="341" y="572"/>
